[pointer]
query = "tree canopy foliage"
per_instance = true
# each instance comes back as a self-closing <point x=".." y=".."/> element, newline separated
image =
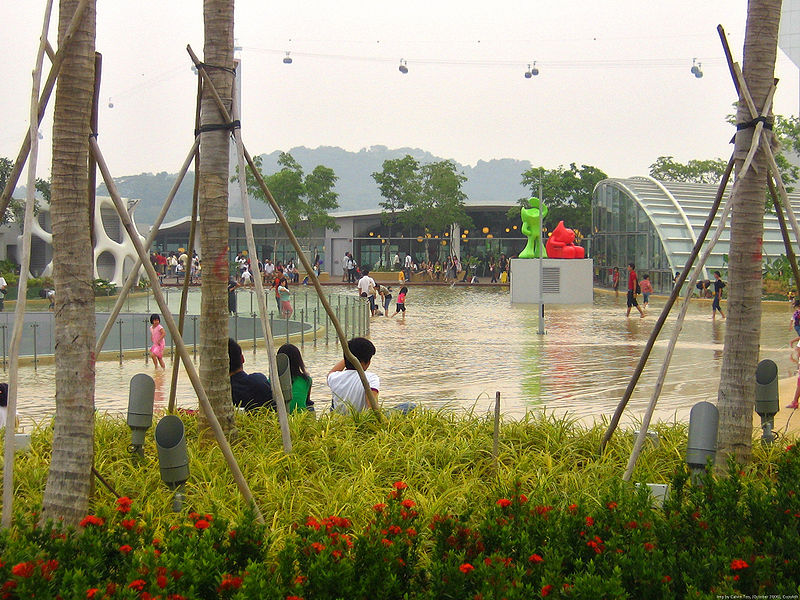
<point x="666" y="168"/>
<point x="567" y="192"/>
<point x="305" y="199"/>
<point x="428" y="196"/>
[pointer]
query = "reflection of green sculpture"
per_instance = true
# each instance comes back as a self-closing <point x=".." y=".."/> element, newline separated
<point x="532" y="227"/>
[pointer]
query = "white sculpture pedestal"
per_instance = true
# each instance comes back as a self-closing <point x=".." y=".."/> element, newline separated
<point x="564" y="281"/>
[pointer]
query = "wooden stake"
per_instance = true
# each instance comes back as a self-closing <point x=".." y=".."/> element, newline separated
<point x="496" y="440"/>
<point x="787" y="242"/>
<point x="219" y="434"/>
<point x="192" y="231"/>
<point x="134" y="274"/>
<point x="277" y="389"/>
<point x="58" y="60"/>
<point x="640" y="439"/>
<point x="290" y="234"/>
<point x="22" y="286"/>
<point x="667" y="307"/>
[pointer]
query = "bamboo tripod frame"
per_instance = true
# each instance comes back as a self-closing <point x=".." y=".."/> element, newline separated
<point x="290" y="234"/>
<point x="758" y="140"/>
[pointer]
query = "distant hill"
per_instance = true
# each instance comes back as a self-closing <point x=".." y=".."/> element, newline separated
<point x="487" y="181"/>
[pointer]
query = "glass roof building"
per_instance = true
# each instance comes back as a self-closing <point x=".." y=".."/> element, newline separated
<point x="655" y="225"/>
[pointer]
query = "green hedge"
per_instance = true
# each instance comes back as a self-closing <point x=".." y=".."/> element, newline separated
<point x="736" y="536"/>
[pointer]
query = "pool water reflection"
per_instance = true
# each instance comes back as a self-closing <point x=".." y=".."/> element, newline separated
<point x="458" y="346"/>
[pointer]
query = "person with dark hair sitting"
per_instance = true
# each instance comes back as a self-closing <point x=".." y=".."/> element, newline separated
<point x="249" y="392"/>
<point x="346" y="387"/>
<point x="301" y="380"/>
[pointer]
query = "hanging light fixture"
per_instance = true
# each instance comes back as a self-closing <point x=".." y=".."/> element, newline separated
<point x="528" y="73"/>
<point x="696" y="68"/>
<point x="403" y="66"/>
<point x="287" y="60"/>
<point x="110" y="103"/>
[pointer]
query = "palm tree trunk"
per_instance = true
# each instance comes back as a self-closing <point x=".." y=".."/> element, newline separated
<point x="214" y="153"/>
<point x="69" y="481"/>
<point x="740" y="356"/>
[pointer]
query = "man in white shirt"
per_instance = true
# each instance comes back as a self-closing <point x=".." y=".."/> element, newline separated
<point x="343" y="379"/>
<point x="407" y="267"/>
<point x="3" y="290"/>
<point x="366" y="289"/>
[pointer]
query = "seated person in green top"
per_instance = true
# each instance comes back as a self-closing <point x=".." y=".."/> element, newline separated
<point x="301" y="381"/>
<point x="249" y="392"/>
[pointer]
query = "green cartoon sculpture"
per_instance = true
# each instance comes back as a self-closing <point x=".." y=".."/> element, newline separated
<point x="532" y="227"/>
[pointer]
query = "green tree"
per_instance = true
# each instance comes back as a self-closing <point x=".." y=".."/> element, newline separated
<point x="667" y="168"/>
<point x="16" y="208"/>
<point x="305" y="199"/>
<point x="400" y="184"/>
<point x="567" y="193"/>
<point x="440" y="204"/>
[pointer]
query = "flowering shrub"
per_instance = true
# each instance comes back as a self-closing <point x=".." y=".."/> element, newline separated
<point x="730" y="536"/>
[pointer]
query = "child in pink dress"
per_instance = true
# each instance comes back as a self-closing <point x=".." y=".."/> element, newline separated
<point x="159" y="338"/>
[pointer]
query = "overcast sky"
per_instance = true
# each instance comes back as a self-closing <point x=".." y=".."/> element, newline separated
<point x="614" y="89"/>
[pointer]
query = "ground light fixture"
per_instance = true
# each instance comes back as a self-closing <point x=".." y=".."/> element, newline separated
<point x="703" y="426"/>
<point x="403" y="68"/>
<point x="140" y="410"/>
<point x="767" y="400"/>
<point x="696" y="68"/>
<point x="173" y="459"/>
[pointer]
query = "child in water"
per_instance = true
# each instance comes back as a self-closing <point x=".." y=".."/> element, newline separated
<point x="647" y="289"/>
<point x="158" y="337"/>
<point x="401" y="301"/>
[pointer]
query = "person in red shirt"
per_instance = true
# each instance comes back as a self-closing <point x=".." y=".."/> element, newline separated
<point x="633" y="284"/>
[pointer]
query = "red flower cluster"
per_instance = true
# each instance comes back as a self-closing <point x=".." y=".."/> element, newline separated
<point x="124" y="504"/>
<point x="546" y="590"/>
<point x="400" y="485"/>
<point x="466" y="568"/>
<point x="92" y="520"/>
<point x="503" y="503"/>
<point x="201" y="524"/>
<point x="125" y="549"/>
<point x="23" y="569"/>
<point x="128" y="523"/>
<point x="230" y="582"/>
<point x="137" y="584"/>
<point x="535" y="558"/>
<point x="596" y="544"/>
<point x="737" y="564"/>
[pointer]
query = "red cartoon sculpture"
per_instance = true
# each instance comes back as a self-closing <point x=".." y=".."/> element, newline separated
<point x="561" y="243"/>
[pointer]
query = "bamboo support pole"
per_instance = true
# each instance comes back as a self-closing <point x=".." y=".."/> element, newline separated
<point x="290" y="234"/>
<point x="22" y="286"/>
<point x="743" y="92"/>
<point x="277" y="390"/>
<point x="219" y="434"/>
<point x="642" y="436"/>
<point x="151" y="236"/>
<point x="787" y="242"/>
<point x="173" y="385"/>
<point x="47" y="89"/>
<point x="667" y="307"/>
<point x="496" y="436"/>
